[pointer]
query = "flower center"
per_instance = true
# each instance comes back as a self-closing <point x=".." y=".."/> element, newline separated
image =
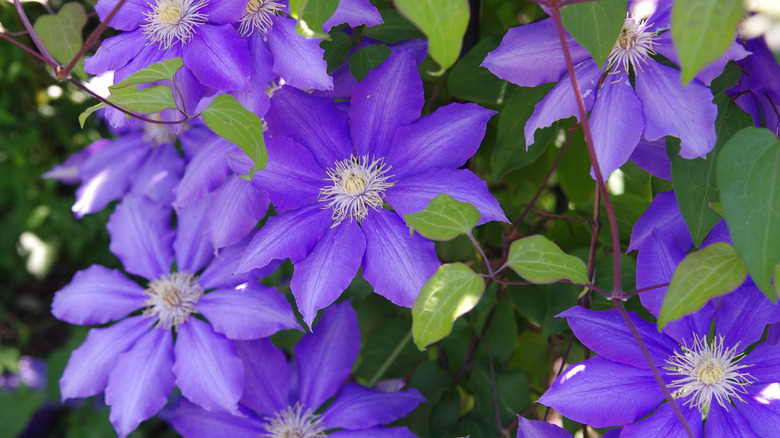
<point x="633" y="45"/>
<point x="157" y="134"/>
<point x="294" y="422"/>
<point x="357" y="185"/>
<point x="172" y="299"/>
<point x="172" y="21"/>
<point x="257" y="15"/>
<point x="708" y="370"/>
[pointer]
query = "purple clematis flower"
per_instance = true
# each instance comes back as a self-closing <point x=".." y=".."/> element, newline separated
<point x="136" y="361"/>
<point x="757" y="91"/>
<point x="331" y="172"/>
<point x="284" y="399"/>
<point x="622" y="115"/>
<point x="539" y="429"/>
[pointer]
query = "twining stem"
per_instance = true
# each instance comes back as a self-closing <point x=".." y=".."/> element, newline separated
<point x="22" y="46"/>
<point x="64" y="72"/>
<point x="47" y="58"/>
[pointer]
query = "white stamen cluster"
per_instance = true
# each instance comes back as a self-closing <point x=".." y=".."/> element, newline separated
<point x="257" y="15"/>
<point x="357" y="185"/>
<point x="172" y="299"/>
<point x="633" y="45"/>
<point x="708" y="370"/>
<point x="172" y="21"/>
<point x="294" y="422"/>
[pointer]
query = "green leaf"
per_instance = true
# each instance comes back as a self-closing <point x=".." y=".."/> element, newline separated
<point x="149" y="100"/>
<point x="702" y="31"/>
<point x="694" y="180"/>
<point x="701" y="275"/>
<point x="595" y="25"/>
<point x="61" y="34"/>
<point x="231" y="121"/>
<point x="312" y="15"/>
<point x="394" y="28"/>
<point x="510" y="152"/>
<point x="365" y="59"/>
<point x="443" y="22"/>
<point x="749" y="184"/>
<point x="539" y="260"/>
<point x="452" y="291"/>
<point x="88" y="112"/>
<point x="159" y="71"/>
<point x="470" y="81"/>
<point x="444" y="218"/>
<point x="336" y="49"/>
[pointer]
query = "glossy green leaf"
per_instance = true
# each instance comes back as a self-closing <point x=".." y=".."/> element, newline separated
<point x="444" y="218"/>
<point x="749" y="183"/>
<point x="701" y="275"/>
<point x="452" y="291"/>
<point x="88" y="112"/>
<point x="444" y="22"/>
<point x="147" y="101"/>
<point x="539" y="260"/>
<point x="312" y="15"/>
<point x="159" y="71"/>
<point x="468" y="80"/>
<point x="702" y="31"/>
<point x="231" y="121"/>
<point x="595" y="25"/>
<point x="336" y="49"/>
<point x="61" y="33"/>
<point x="365" y="59"/>
<point x="394" y="28"/>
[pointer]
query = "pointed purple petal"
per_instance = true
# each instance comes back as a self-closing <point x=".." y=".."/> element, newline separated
<point x="267" y="381"/>
<point x="142" y="237"/>
<point x="207" y="369"/>
<point x="414" y="194"/>
<point x="220" y="272"/>
<point x="721" y="422"/>
<point x="325" y="356"/>
<point x="531" y="55"/>
<point x="329" y="269"/>
<point x="255" y="98"/>
<point x="159" y="174"/>
<point x="97" y="295"/>
<point x="292" y="177"/>
<point x="132" y="15"/>
<point x="673" y="109"/>
<point x="224" y="11"/>
<point x="252" y="312"/>
<point x="192" y="251"/>
<point x="141" y="382"/>
<point x="204" y="173"/>
<point x="236" y="208"/>
<point x="375" y="432"/>
<point x="446" y="138"/>
<point x="297" y="59"/>
<point x="651" y="157"/>
<point x="765" y="360"/>
<point x="88" y="368"/>
<point x="191" y="421"/>
<point x="762" y="409"/>
<point x="664" y="423"/>
<point x="354" y="13"/>
<point x="69" y="171"/>
<point x="292" y="234"/>
<point x="743" y="315"/>
<point x="115" y="52"/>
<point x="662" y="214"/>
<point x="358" y="407"/>
<point x="218" y="57"/>
<point x="396" y="264"/>
<point x="391" y="95"/>
<point x="603" y="393"/>
<point x="655" y="264"/>
<point x="540" y="429"/>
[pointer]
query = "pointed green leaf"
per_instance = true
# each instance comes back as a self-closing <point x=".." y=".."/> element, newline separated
<point x="159" y="71"/>
<point x="595" y="25"/>
<point x="61" y="34"/>
<point x="444" y="22"/>
<point x="749" y="183"/>
<point x="312" y="15"/>
<point x="363" y="60"/>
<point x="231" y="121"/>
<point x="444" y="218"/>
<point x="149" y="100"/>
<point x="701" y="275"/>
<point x="88" y="112"/>
<point x="452" y="291"/>
<point x="703" y="30"/>
<point x="539" y="260"/>
<point x="394" y="28"/>
<point x="468" y="80"/>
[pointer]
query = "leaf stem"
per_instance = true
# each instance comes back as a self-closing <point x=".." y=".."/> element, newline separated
<point x="22" y="46"/>
<point x="63" y="73"/>
<point x="45" y="55"/>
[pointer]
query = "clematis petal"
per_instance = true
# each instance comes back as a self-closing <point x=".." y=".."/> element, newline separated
<point x="395" y="263"/>
<point x="540" y="429"/>
<point x="292" y="177"/>
<point x="89" y="366"/>
<point x="603" y="393"/>
<point x="315" y="123"/>
<point x="325" y="356"/>
<point x="191" y="421"/>
<point x="415" y="193"/>
<point x="762" y="407"/>
<point x="142" y="237"/>
<point x="224" y="11"/>
<point x="298" y="60"/>
<point x="192" y="251"/>
<point x="375" y="432"/>
<point x="97" y="295"/>
<point x="651" y="157"/>
<point x="446" y="138"/>
<point x="662" y="214"/>
<point x="531" y="55"/>
<point x="255" y="98"/>
<point x="205" y="171"/>
<point x="218" y="57"/>
<point x="220" y="272"/>
<point x="132" y="16"/>
<point x="391" y="95"/>
<point x="664" y="422"/>
<point x="765" y="359"/>
<point x="141" y="381"/>
<point x="655" y="264"/>
<point x="743" y="315"/>
<point x="115" y="52"/>
<point x="354" y="13"/>
<point x="359" y="407"/>
<point x="267" y="376"/>
<point x="731" y="422"/>
<point x="329" y="269"/>
<point x="673" y="109"/>
<point x="249" y="312"/>
<point x="158" y="176"/>
<point x="207" y="368"/>
<point x="236" y="208"/>
<point x="292" y="234"/>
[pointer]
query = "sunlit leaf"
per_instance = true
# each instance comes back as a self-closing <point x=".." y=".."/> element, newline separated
<point x="88" y="112"/>
<point x="61" y="34"/>
<point x="363" y="60"/>
<point x="231" y="121"/>
<point x="443" y="22"/>
<point x="149" y="100"/>
<point x="539" y="260"/>
<point x="312" y="15"/>
<point x="159" y="71"/>
<point x="444" y="218"/>
<point x="595" y="25"/>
